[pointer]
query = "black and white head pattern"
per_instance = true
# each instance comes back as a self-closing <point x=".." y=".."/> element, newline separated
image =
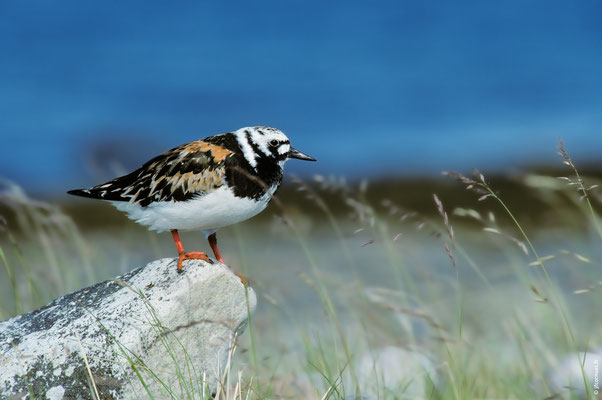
<point x="259" y="142"/>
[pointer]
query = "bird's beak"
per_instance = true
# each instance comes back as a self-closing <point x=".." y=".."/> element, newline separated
<point x="294" y="153"/>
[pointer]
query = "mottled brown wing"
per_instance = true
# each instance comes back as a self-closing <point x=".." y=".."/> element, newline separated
<point x="187" y="171"/>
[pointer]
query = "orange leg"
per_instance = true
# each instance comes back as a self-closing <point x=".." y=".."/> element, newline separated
<point x="182" y="255"/>
<point x="213" y="243"/>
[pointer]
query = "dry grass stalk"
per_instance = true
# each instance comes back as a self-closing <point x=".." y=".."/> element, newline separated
<point x="577" y="180"/>
<point x="448" y="227"/>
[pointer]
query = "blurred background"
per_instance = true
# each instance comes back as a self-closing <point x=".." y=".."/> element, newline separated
<point x="357" y="258"/>
<point x="389" y="88"/>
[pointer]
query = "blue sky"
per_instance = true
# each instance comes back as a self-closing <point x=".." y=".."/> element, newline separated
<point x="368" y="88"/>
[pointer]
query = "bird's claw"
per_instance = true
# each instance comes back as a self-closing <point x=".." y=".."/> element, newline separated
<point x="191" y="255"/>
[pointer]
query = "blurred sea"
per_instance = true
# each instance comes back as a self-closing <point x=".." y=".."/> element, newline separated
<point x="369" y="89"/>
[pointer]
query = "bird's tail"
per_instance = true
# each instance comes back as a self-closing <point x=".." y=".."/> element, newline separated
<point x="85" y="193"/>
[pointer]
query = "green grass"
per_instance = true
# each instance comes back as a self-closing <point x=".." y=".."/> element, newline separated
<point x="493" y="295"/>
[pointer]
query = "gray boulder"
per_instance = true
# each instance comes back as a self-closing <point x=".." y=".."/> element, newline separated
<point x="151" y="332"/>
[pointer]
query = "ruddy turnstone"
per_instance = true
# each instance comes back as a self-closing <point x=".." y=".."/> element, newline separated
<point x="203" y="185"/>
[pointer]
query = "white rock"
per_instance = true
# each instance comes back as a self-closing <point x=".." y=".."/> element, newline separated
<point x="394" y="372"/>
<point x="567" y="377"/>
<point x="179" y="325"/>
<point x="55" y="393"/>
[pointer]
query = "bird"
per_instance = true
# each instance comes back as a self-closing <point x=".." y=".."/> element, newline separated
<point x="203" y="185"/>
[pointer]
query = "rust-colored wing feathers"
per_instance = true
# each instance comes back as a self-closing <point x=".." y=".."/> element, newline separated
<point x="179" y="174"/>
<point x="218" y="153"/>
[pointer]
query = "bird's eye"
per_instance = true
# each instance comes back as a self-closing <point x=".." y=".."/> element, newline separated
<point x="273" y="143"/>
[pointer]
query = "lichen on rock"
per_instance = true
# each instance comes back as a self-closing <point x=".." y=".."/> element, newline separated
<point x="152" y="331"/>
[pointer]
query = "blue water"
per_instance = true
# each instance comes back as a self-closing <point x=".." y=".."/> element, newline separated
<point x="368" y="88"/>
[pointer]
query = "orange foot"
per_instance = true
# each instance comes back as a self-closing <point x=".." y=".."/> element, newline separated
<point x="191" y="255"/>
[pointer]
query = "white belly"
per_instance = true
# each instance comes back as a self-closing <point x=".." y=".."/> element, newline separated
<point x="208" y="213"/>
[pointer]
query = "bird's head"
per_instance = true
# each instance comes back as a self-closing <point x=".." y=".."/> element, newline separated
<point x="264" y="142"/>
